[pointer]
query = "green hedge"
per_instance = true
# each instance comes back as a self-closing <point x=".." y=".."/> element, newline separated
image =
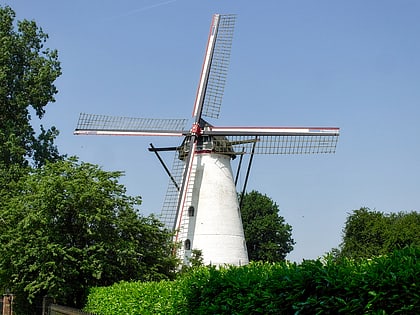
<point x="383" y="285"/>
<point x="135" y="298"/>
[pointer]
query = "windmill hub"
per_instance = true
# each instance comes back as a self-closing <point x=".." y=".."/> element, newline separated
<point x="196" y="130"/>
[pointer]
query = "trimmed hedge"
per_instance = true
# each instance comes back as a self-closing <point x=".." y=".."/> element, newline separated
<point x="135" y="298"/>
<point x="382" y="285"/>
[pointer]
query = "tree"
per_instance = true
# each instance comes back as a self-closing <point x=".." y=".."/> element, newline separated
<point x="72" y="227"/>
<point x="64" y="226"/>
<point x="369" y="233"/>
<point x="268" y="237"/>
<point x="27" y="73"/>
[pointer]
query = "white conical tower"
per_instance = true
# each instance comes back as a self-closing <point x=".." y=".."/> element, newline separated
<point x="214" y="218"/>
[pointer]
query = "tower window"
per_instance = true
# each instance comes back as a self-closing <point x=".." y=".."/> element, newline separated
<point x="187" y="244"/>
<point x="191" y="211"/>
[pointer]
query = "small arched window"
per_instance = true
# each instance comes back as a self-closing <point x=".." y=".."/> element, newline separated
<point x="191" y="211"/>
<point x="187" y="244"/>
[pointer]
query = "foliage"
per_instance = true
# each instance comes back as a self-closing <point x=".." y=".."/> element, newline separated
<point x="370" y="233"/>
<point x="71" y="226"/>
<point x="64" y="225"/>
<point x="27" y="73"/>
<point x="382" y="285"/>
<point x="268" y="237"/>
<point x="163" y="297"/>
<point x="196" y="259"/>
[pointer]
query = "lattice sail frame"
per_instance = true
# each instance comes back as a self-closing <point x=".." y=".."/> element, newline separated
<point x="219" y="66"/>
<point x="274" y="140"/>
<point x="215" y="65"/>
<point x="91" y="124"/>
<point x="170" y="204"/>
<point x="302" y="144"/>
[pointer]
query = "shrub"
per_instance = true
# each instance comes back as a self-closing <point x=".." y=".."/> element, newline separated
<point x="382" y="285"/>
<point x="135" y="298"/>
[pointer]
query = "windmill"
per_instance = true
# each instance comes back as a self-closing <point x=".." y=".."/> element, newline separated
<point x="201" y="205"/>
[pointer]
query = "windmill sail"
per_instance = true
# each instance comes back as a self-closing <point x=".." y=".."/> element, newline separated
<point x="219" y="66"/>
<point x="90" y="124"/>
<point x="168" y="213"/>
<point x="274" y="140"/>
<point x="214" y="72"/>
<point x="284" y="144"/>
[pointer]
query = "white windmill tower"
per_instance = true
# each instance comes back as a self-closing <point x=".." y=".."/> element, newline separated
<point x="202" y="204"/>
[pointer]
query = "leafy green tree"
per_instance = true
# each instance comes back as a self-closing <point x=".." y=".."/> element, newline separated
<point x="364" y="233"/>
<point x="71" y="227"/>
<point x="268" y="237"/>
<point x="369" y="233"/>
<point x="27" y="73"/>
<point x="404" y="231"/>
<point x="64" y="225"/>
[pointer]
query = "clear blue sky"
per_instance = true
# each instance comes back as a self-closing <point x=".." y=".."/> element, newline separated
<point x="351" y="64"/>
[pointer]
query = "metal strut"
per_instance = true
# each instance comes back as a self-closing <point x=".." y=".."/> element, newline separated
<point x="153" y="149"/>
<point x="239" y="167"/>
<point x="247" y="173"/>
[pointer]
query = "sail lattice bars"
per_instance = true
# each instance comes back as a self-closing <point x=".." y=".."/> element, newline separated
<point x="168" y="214"/>
<point x="292" y="144"/>
<point x="219" y="65"/>
<point x="265" y="140"/>
<point x="90" y="124"/>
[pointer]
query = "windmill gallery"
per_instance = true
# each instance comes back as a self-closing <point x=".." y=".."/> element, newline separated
<point x="201" y="205"/>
